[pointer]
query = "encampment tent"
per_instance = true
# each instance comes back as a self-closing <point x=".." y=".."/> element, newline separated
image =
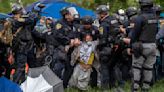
<point x="53" y="8"/>
<point x="42" y="79"/>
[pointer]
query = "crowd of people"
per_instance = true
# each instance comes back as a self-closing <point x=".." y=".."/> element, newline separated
<point x="84" y="51"/>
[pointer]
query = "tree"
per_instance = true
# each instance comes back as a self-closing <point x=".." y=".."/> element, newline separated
<point x="89" y="4"/>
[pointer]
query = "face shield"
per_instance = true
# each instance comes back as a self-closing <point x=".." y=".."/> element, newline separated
<point x="73" y="12"/>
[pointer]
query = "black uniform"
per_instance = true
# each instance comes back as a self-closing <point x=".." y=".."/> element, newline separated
<point x="68" y="29"/>
<point x="22" y="45"/>
<point x="93" y="31"/>
<point x="108" y="30"/>
<point x="54" y="41"/>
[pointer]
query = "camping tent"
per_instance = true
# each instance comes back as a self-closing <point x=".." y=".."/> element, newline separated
<point x="42" y="79"/>
<point x="53" y="8"/>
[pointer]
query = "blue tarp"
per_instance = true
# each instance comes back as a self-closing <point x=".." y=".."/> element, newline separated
<point x="8" y="86"/>
<point x="29" y="7"/>
<point x="49" y="1"/>
<point x="52" y="9"/>
<point x="4" y="16"/>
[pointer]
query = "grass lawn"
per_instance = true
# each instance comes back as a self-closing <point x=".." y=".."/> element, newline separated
<point x="157" y="87"/>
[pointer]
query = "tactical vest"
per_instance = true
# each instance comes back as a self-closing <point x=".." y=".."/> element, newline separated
<point x="113" y="23"/>
<point x="66" y="29"/>
<point x="113" y="26"/>
<point x="149" y="28"/>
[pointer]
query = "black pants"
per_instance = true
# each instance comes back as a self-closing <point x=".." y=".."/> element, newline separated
<point x="21" y="58"/>
<point x="68" y="69"/>
<point x="104" y="67"/>
<point x="67" y="74"/>
<point x="93" y="81"/>
<point x="19" y="75"/>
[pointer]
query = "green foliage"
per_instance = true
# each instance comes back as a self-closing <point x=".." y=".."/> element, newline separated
<point x="5" y="5"/>
<point x="89" y="4"/>
<point x="114" y="4"/>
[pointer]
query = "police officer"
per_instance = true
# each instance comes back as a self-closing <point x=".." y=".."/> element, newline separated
<point x="107" y="30"/>
<point x="121" y="16"/>
<point x="88" y="28"/>
<point x="144" y="47"/>
<point x="131" y="13"/>
<point x="157" y="10"/>
<point x="68" y="26"/>
<point x="22" y="42"/>
<point x="53" y="41"/>
<point x="67" y="23"/>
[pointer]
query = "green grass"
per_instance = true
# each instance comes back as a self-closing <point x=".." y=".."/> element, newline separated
<point x="157" y="87"/>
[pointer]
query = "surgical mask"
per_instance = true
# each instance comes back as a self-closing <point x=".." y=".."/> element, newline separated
<point x="89" y="43"/>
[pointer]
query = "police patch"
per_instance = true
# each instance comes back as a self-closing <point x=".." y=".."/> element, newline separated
<point x="58" y="26"/>
<point x="152" y="21"/>
<point x="114" y="21"/>
<point x="101" y="30"/>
